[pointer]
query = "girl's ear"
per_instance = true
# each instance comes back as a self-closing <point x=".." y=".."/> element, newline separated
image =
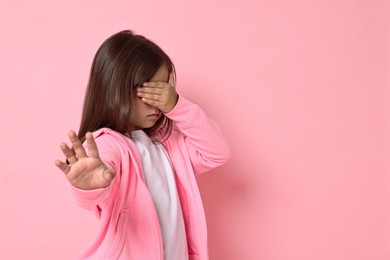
<point x="171" y="79"/>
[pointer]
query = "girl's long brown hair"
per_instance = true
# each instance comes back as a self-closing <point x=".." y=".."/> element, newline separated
<point x="123" y="62"/>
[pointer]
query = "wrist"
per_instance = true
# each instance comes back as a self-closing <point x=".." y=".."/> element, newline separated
<point x="173" y="105"/>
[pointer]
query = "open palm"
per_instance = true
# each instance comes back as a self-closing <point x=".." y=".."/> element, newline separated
<point x="84" y="171"/>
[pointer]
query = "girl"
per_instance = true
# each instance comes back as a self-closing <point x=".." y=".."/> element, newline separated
<point x="143" y="146"/>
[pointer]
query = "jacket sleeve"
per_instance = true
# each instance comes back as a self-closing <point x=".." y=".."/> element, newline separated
<point x="205" y="142"/>
<point x="91" y="199"/>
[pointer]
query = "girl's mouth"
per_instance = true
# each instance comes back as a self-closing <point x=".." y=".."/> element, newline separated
<point x="154" y="115"/>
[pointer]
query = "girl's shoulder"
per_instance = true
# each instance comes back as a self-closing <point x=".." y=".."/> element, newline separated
<point x="107" y="137"/>
<point x="106" y="133"/>
<point x="115" y="148"/>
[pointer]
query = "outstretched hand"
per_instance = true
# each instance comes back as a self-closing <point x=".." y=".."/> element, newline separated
<point x="161" y="95"/>
<point x="84" y="171"/>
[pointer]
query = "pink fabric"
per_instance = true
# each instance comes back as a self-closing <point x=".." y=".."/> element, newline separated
<point x="129" y="226"/>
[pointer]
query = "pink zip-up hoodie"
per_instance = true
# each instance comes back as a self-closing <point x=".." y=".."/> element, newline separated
<point x="129" y="227"/>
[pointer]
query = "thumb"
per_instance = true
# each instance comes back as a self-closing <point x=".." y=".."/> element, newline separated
<point x="103" y="178"/>
<point x="108" y="175"/>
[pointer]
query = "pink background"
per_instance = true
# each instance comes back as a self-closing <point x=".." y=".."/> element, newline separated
<point x="301" y="89"/>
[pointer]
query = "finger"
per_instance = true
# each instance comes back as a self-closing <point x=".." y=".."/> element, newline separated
<point x="69" y="154"/>
<point x="153" y="84"/>
<point x="62" y="166"/>
<point x="150" y="90"/>
<point x="154" y="103"/>
<point x="155" y="97"/>
<point x="77" y="145"/>
<point x="92" y="147"/>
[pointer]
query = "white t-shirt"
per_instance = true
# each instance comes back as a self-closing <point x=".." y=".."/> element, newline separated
<point x="160" y="181"/>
